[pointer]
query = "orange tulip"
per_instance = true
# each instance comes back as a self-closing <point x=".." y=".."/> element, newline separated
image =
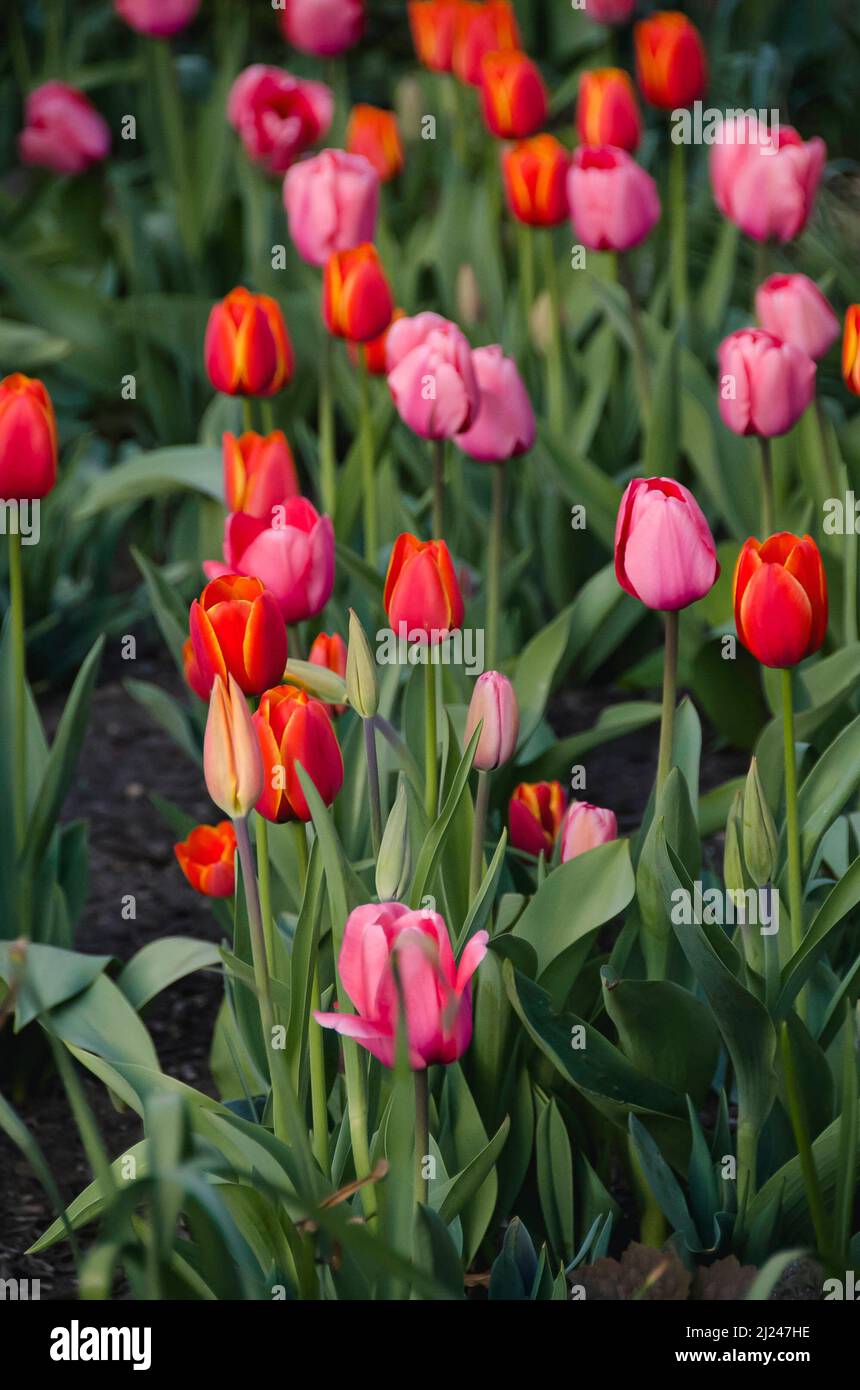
<point x="207" y="859"/>
<point x="607" y="112"/>
<point x="259" y="472"/>
<point x="480" y="29"/>
<point x="237" y="629"/>
<point x="421" y="589"/>
<point x="432" y="24"/>
<point x="372" y="354"/>
<point x="671" y="67"/>
<point x="535" y="175"/>
<point x="375" y="133"/>
<point x="247" y="350"/>
<point x="535" y="814"/>
<point x="357" y="301"/>
<point x="329" y="650"/>
<point x="513" y="95"/>
<point x="780" y="599"/>
<point x="293" y="728"/>
<point x="851" y="350"/>
<point x="28" y="439"/>
<point x="232" y="764"/>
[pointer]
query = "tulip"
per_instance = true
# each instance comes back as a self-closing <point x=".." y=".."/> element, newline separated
<point x="432" y="24"/>
<point x="207" y="859"/>
<point x="158" y="19"/>
<point x="610" y="11"/>
<point x="585" y="827"/>
<point x="780" y="599"/>
<point x="613" y="201"/>
<point x="535" y="176"/>
<point x="760" y="838"/>
<point x="329" y="651"/>
<point x="514" y="98"/>
<point x="295" y="730"/>
<point x="494" y="703"/>
<point x="278" y="116"/>
<point x="607" y="112"/>
<point x="325" y="28"/>
<point x="362" y="683"/>
<point x="793" y="308"/>
<point x="394" y="861"/>
<point x="850" y="351"/>
<point x="292" y="553"/>
<point x="534" y="816"/>
<point x="63" y="131"/>
<point x="237" y="630"/>
<point x="375" y="134"/>
<point x="421" y="589"/>
<point x="436" y="993"/>
<point x="671" y="67"/>
<point x="664" y="551"/>
<point x="357" y="302"/>
<point x="766" y="183"/>
<point x="259" y="472"/>
<point x="247" y="350"/>
<point x="192" y="673"/>
<point x="765" y="384"/>
<point x="505" y="424"/>
<point x="332" y="202"/>
<point x="431" y="376"/>
<point x="28" y="439"/>
<point x="481" y="29"/>
<point x="232" y="764"/>
<point x="373" y="355"/>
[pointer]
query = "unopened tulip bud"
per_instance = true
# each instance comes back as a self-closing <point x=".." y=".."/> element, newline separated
<point x="585" y="827"/>
<point x="232" y="763"/>
<point x="759" y="830"/>
<point x="394" y="862"/>
<point x="468" y="296"/>
<point x="362" y="685"/>
<point x="733" y="864"/>
<point x="494" y="706"/>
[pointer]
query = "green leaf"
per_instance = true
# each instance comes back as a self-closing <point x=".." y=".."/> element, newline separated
<point x="555" y="1179"/>
<point x="841" y="900"/>
<point x="49" y="977"/>
<point x="661" y="445"/>
<point x="651" y="1016"/>
<point x="663" y="1184"/>
<point x="435" y="841"/>
<point x="195" y="468"/>
<point x="577" y="898"/>
<point x="161" y="963"/>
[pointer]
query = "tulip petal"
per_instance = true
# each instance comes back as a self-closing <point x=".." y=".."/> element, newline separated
<point x="776" y="617"/>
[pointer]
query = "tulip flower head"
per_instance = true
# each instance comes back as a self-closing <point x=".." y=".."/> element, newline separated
<point x="63" y="131"/>
<point x="232" y="764"/>
<point x="259" y="472"/>
<point x="766" y="181"/>
<point x="374" y="133"/>
<point x="585" y="827"/>
<point x="780" y="599"/>
<point x="191" y="671"/>
<point x="607" y="112"/>
<point x="494" y="706"/>
<point x="613" y="201"/>
<point x="480" y="29"/>
<point x="535" y="176"/>
<point x="295" y="729"/>
<point x="765" y="383"/>
<point x="432" y="24"/>
<point x="793" y="308"/>
<point x="207" y="859"/>
<point x="237" y="631"/>
<point x="158" y="19"/>
<point x="671" y="67"/>
<point x="357" y="302"/>
<point x="247" y="350"/>
<point x="278" y="116"/>
<point x="332" y="201"/>
<point x="535" y="813"/>
<point x="505" y="423"/>
<point x="664" y="551"/>
<point x="324" y="28"/>
<point x="329" y="650"/>
<point x="28" y="439"/>
<point x="291" y="551"/>
<point x="514" y="99"/>
<point x="373" y="355"/>
<point x="610" y="11"/>
<point x="421" y="590"/>
<point x="436" y="992"/>
<point x="431" y="376"/>
<point x="850" y="350"/>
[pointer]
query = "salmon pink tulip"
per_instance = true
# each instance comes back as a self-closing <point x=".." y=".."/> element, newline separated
<point x="765" y="383"/>
<point x="613" y="201"/>
<point x="585" y="827"/>
<point x="431" y="376"/>
<point x="766" y="181"/>
<point x="505" y="423"/>
<point x="332" y="201"/>
<point x="494" y="706"/>
<point x="793" y="308"/>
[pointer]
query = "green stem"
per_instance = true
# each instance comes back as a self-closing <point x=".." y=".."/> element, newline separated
<point x="438" y="452"/>
<point x="482" y="801"/>
<point x="265" y="877"/>
<point x="368" y="452"/>
<point x="422" y="1134"/>
<point x="747" y="1144"/>
<point x="555" y="358"/>
<point x="792" y="824"/>
<point x="799" y="1125"/>
<point x="678" y="227"/>
<point x="761" y="264"/>
<point x="641" y="370"/>
<point x="247" y="414"/>
<point x="19" y="669"/>
<point x="494" y="564"/>
<point x="667" y="714"/>
<point x="328" y="474"/>
<point x="431" y="768"/>
<point x="766" y="488"/>
<point x="169" y="101"/>
<point x="319" y="1095"/>
<point x="526" y="266"/>
<point x="373" y="784"/>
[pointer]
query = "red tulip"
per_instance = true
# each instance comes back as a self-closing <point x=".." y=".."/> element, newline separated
<point x="534" y="816"/>
<point x="513" y="95"/>
<point x="329" y="650"/>
<point x="481" y="29"/>
<point x="671" y="67"/>
<point x="373" y="355"/>
<point x="357" y="302"/>
<point x="780" y="599"/>
<point x="278" y="116"/>
<point x="259" y="472"/>
<point x="191" y="671"/>
<point x="207" y="859"/>
<point x="375" y="133"/>
<point x="432" y="23"/>
<point x="421" y="589"/>
<point x="292" y="728"/>
<point x="607" y="112"/>
<point x="247" y="349"/>
<point x="237" y="629"/>
<point x="28" y="439"/>
<point x="535" y="175"/>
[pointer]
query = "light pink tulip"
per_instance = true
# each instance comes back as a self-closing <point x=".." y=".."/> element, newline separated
<point x="664" y="551"/>
<point x="437" y="994"/>
<point x="323" y="27"/>
<point x="793" y="308"/>
<point x="505" y="423"/>
<point x="613" y="201"/>
<point x="431" y="376"/>
<point x="157" y="18"/>
<point x="232" y="762"/>
<point x="585" y="827"/>
<point x="610" y="11"/>
<point x="332" y="201"/>
<point x="766" y="184"/>
<point x="765" y="384"/>
<point x="278" y="116"/>
<point x="63" y="131"/>
<point x="493" y="702"/>
<point x="290" y="552"/>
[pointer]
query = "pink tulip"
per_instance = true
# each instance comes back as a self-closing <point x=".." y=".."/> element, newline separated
<point x="278" y="116"/>
<point x="664" y="551"/>
<point x="505" y="423"/>
<point x="63" y="131"/>
<point x="493" y="702"/>
<point x="431" y="376"/>
<point x="765" y="384"/>
<point x="793" y="308"/>
<point x="613" y="201"/>
<point x="610" y="11"/>
<point x="332" y="201"/>
<point x="291" y="553"/>
<point x="585" y="827"/>
<point x="437" y="994"/>
<point x="157" y="18"/>
<point x="766" y="184"/>
<point x="323" y="27"/>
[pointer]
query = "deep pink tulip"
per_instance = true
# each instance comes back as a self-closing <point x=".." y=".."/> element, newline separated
<point x="585" y="827"/>
<point x="63" y="131"/>
<point x="766" y="185"/>
<point x="290" y="552"/>
<point x="332" y="201"/>
<point x="793" y="308"/>
<point x="610" y="11"/>
<point x="431" y="376"/>
<point x="765" y="384"/>
<point x="157" y="18"/>
<point x="505" y="423"/>
<point x="278" y="116"/>
<point x="664" y="551"/>
<point x="493" y="702"/>
<point x="437" y="994"/>
<point x="613" y="201"/>
<point x="323" y="27"/>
